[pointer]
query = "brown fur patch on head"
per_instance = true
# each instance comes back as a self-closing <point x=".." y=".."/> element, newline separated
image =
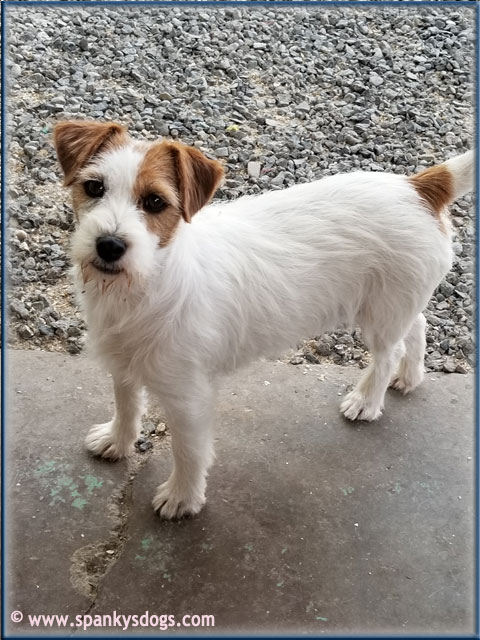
<point x="79" y="197"/>
<point x="77" y="141"/>
<point x="183" y="177"/>
<point x="435" y="187"/>
<point x="197" y="177"/>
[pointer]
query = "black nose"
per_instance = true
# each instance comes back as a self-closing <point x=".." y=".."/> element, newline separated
<point x="110" y="248"/>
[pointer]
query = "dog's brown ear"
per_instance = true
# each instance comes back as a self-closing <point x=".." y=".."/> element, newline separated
<point x="197" y="177"/>
<point x="77" y="141"/>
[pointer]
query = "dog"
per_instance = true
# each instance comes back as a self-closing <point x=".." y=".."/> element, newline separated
<point x="176" y="293"/>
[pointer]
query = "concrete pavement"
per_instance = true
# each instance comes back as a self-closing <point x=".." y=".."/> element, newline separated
<point x="312" y="525"/>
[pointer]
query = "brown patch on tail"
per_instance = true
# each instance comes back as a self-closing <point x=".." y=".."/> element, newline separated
<point x="435" y="187"/>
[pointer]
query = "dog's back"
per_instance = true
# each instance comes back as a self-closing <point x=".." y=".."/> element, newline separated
<point x="303" y="260"/>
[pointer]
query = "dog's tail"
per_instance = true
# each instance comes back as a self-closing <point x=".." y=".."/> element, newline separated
<point x="462" y="170"/>
<point x="440" y="185"/>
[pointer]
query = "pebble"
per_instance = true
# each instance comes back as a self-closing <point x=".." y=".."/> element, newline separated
<point x="254" y="169"/>
<point x="25" y="332"/>
<point x="143" y="444"/>
<point x="375" y="79"/>
<point x="279" y="179"/>
<point x="222" y="152"/>
<point x="449" y="365"/>
<point x="149" y="427"/>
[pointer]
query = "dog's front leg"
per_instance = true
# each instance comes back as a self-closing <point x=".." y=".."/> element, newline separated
<point x="190" y="420"/>
<point x="116" y="439"/>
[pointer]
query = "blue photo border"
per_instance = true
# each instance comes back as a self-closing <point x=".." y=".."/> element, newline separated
<point x="475" y="6"/>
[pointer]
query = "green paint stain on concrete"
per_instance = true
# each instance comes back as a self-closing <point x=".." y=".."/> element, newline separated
<point x="396" y="489"/>
<point x="320" y="618"/>
<point x="79" y="503"/>
<point x="55" y="478"/>
<point x="426" y="486"/>
<point x="280" y="584"/>
<point x="146" y="542"/>
<point x="248" y="547"/>
<point x="66" y="481"/>
<point x="45" y="468"/>
<point x="61" y="483"/>
<point x="347" y="490"/>
<point x="91" y="482"/>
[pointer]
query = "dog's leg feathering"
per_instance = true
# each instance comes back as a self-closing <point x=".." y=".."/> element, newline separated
<point x="191" y="423"/>
<point x="116" y="439"/>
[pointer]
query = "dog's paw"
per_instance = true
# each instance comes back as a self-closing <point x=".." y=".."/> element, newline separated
<point x="407" y="380"/>
<point x="170" y="503"/>
<point x="101" y="442"/>
<point x="356" y="406"/>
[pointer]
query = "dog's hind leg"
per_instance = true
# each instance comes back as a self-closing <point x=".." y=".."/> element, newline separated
<point x="116" y="439"/>
<point x="411" y="368"/>
<point x="384" y="325"/>
<point x="365" y="402"/>
<point x="190" y="419"/>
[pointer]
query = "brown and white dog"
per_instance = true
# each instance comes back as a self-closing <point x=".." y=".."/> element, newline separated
<point x="176" y="292"/>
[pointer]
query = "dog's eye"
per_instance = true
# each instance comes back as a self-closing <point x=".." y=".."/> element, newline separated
<point x="153" y="203"/>
<point x="94" y="188"/>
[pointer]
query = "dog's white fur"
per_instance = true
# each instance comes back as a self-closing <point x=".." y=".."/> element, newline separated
<point x="249" y="278"/>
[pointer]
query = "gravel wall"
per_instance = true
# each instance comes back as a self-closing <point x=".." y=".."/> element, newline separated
<point x="279" y="95"/>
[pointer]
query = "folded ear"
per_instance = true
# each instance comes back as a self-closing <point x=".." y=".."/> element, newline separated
<point x="77" y="141"/>
<point x="197" y="177"/>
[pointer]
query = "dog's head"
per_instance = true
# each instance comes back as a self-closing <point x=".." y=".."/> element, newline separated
<point x="129" y="197"/>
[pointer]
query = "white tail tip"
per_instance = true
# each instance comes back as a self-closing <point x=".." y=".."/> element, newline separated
<point x="462" y="170"/>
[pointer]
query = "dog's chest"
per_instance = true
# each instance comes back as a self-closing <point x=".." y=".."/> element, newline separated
<point x="126" y="334"/>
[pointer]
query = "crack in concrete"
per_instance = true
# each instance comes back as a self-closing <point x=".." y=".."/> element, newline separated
<point x="91" y="563"/>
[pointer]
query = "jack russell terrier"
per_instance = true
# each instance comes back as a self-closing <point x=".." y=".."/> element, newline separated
<point x="176" y="292"/>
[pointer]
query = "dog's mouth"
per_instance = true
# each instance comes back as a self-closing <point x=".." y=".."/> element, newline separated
<point x="108" y="269"/>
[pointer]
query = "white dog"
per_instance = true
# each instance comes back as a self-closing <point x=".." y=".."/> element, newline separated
<point x="173" y="300"/>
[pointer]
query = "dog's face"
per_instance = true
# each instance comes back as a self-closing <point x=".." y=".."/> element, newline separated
<point x="129" y="197"/>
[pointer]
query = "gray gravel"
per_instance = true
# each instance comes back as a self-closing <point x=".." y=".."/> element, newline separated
<point x="280" y="95"/>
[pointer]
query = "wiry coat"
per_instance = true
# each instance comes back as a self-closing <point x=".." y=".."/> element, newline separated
<point x="248" y="278"/>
